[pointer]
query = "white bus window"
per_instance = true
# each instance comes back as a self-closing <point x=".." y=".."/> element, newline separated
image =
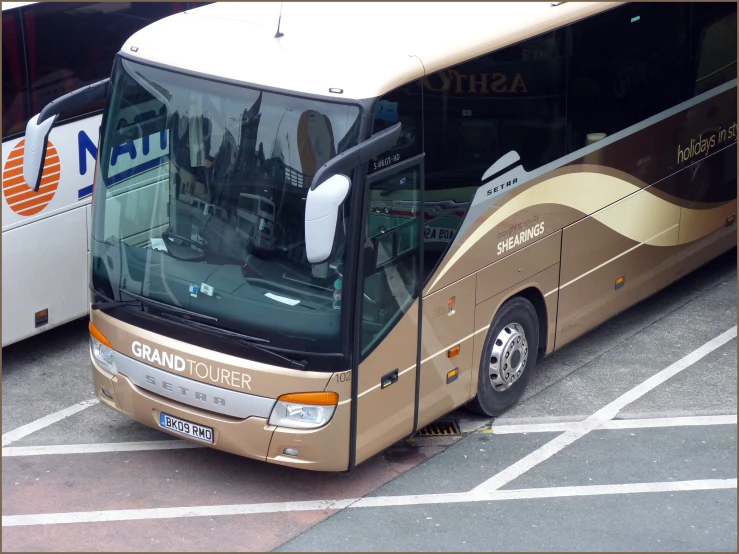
<point x="15" y="105"/>
<point x="93" y="33"/>
<point x="713" y="44"/>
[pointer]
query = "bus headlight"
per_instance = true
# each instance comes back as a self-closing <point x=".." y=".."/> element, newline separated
<point x="307" y="410"/>
<point x="101" y="350"/>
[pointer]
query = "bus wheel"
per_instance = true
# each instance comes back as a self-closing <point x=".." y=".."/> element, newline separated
<point x="509" y="356"/>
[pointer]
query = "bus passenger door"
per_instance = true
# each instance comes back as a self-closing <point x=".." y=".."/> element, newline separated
<point x="390" y="311"/>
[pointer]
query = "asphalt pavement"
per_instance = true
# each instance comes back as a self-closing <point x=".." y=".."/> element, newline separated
<point x="625" y="440"/>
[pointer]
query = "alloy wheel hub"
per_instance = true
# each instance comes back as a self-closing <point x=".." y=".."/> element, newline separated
<point x="508" y="357"/>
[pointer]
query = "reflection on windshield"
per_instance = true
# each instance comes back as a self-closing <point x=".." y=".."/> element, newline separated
<point x="205" y="190"/>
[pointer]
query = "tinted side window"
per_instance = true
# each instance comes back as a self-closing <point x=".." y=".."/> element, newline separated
<point x="713" y="44"/>
<point x="626" y="65"/>
<point x="15" y="105"/>
<point x="71" y="45"/>
<point x="400" y="105"/>
<point x="478" y="111"/>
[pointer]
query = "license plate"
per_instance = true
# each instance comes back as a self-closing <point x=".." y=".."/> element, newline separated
<point x="187" y="428"/>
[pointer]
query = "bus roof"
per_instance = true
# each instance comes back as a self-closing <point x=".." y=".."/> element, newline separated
<point x="366" y="49"/>
<point x="14" y="5"/>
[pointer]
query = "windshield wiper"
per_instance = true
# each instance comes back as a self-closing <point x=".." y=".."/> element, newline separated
<point x="114" y="303"/>
<point x="109" y="302"/>
<point x="143" y="301"/>
<point x="164" y="306"/>
<point x="246" y="340"/>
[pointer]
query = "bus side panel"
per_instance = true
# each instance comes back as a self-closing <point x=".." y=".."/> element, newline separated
<point x="385" y="415"/>
<point x="692" y="256"/>
<point x="519" y="266"/>
<point x="696" y="253"/>
<point x="636" y="239"/>
<point x="444" y="327"/>
<point x="44" y="268"/>
<point x="709" y="187"/>
<point x="545" y="282"/>
<point x="45" y="233"/>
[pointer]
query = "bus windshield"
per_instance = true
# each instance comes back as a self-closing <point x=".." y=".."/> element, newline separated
<point x="200" y="199"/>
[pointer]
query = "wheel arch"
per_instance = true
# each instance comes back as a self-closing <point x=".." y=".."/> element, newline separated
<point x="532" y="294"/>
<point x="536" y="297"/>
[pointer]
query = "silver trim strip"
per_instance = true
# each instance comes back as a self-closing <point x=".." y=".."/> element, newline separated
<point x="191" y="392"/>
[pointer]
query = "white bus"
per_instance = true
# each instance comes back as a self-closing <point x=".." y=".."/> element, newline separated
<point x="50" y="49"/>
<point x="256" y="222"/>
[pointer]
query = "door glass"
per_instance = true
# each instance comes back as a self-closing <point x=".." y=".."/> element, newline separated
<point x="391" y="252"/>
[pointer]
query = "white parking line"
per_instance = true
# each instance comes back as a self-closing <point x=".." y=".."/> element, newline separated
<point x="97" y="448"/>
<point x="564" y="426"/>
<point x="603" y="415"/>
<point x="367" y="502"/>
<point x="545" y="492"/>
<point x="25" y="430"/>
<point x="169" y="513"/>
<point x="560" y="427"/>
<point x="692" y="421"/>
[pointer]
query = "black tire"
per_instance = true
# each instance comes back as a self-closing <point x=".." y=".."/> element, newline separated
<point x="489" y="401"/>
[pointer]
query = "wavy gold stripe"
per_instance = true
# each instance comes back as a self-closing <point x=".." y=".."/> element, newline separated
<point x="627" y="209"/>
<point x="643" y="217"/>
<point x="586" y="192"/>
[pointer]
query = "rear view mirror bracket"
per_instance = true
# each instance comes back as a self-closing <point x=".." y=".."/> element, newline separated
<point x="322" y="203"/>
<point x="39" y="127"/>
<point x="361" y="153"/>
<point x="75" y="99"/>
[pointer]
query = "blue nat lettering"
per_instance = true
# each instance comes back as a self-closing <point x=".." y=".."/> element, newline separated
<point x="85" y="146"/>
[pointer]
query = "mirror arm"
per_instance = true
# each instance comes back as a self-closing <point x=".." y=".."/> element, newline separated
<point x="361" y="153"/>
<point x="74" y="99"/>
<point x="39" y="127"/>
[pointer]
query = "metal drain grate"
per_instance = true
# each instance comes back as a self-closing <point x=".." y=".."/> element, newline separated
<point x="440" y="429"/>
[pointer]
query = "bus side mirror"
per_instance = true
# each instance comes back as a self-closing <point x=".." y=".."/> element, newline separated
<point x="39" y="127"/>
<point x="34" y="149"/>
<point x="321" y="213"/>
<point x="329" y="188"/>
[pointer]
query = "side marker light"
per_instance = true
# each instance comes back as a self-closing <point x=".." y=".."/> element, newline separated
<point x="452" y="375"/>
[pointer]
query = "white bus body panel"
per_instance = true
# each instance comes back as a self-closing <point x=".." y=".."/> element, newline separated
<point x="45" y="255"/>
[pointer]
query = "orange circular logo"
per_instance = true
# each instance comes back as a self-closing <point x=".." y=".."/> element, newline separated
<point x="21" y="199"/>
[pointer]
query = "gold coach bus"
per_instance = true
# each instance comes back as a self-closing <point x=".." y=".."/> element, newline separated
<point x="458" y="190"/>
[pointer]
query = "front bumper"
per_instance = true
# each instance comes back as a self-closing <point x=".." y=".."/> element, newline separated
<point x="323" y="449"/>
